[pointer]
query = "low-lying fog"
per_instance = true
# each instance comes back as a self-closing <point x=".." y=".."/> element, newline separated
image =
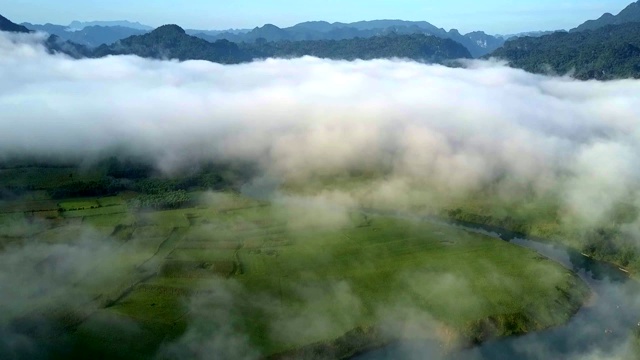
<point x="408" y="125"/>
<point x="452" y="129"/>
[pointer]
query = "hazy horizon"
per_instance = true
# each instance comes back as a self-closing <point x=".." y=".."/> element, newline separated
<point x="493" y="17"/>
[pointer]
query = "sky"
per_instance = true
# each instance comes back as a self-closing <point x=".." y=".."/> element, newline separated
<point x="491" y="16"/>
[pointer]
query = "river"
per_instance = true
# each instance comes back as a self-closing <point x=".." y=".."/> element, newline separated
<point x="600" y="330"/>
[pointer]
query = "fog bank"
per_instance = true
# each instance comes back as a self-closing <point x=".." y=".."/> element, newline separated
<point x="401" y="127"/>
<point x="451" y="130"/>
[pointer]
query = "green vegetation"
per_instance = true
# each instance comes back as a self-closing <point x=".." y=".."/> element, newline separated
<point x="629" y="14"/>
<point x="606" y="48"/>
<point x="611" y="52"/>
<point x="97" y="33"/>
<point x="300" y="279"/>
<point x="163" y="201"/>
<point x="41" y="178"/>
<point x="170" y="41"/>
<point x="78" y="204"/>
<point x="545" y="219"/>
<point x="478" y="43"/>
<point x="415" y="46"/>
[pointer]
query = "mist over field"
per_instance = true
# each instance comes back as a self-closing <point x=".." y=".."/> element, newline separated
<point x="452" y="130"/>
<point x="390" y="134"/>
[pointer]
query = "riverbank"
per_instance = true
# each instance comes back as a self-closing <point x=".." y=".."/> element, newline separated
<point x="448" y="338"/>
<point x="588" y="243"/>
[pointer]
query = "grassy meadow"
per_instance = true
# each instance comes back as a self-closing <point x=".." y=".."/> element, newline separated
<point x="277" y="277"/>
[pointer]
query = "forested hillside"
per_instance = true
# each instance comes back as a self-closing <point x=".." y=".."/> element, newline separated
<point x="611" y="52"/>
<point x="171" y="42"/>
<point x="417" y="47"/>
<point x="629" y="14"/>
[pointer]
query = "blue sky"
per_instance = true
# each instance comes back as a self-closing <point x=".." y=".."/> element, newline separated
<point x="492" y="16"/>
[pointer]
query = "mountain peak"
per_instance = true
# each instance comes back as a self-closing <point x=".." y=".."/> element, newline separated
<point x="313" y="23"/>
<point x="268" y="27"/>
<point x="269" y="32"/>
<point x="172" y="29"/>
<point x="321" y="26"/>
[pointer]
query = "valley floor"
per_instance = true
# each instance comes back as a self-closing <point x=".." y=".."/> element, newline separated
<point x="242" y="277"/>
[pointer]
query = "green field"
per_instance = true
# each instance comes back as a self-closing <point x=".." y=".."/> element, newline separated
<point x="282" y="276"/>
<point x="544" y="215"/>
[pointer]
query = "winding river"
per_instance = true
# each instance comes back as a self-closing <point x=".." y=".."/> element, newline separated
<point x="600" y="330"/>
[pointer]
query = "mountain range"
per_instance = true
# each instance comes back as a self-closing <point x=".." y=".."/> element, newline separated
<point x="79" y="25"/>
<point x="527" y="33"/>
<point x="593" y="50"/>
<point x="172" y="42"/>
<point x="629" y="14"/>
<point x="605" y="48"/>
<point x="419" y="47"/>
<point x="610" y="52"/>
<point x="94" y="34"/>
<point x="478" y="43"/>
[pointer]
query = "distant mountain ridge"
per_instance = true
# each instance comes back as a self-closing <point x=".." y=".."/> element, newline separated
<point x="53" y="43"/>
<point x="8" y="25"/>
<point x="79" y="25"/>
<point x="193" y="32"/>
<point x="172" y="42"/>
<point x="96" y="33"/>
<point x="91" y="36"/>
<point x="608" y="52"/>
<point x="478" y="43"/>
<point x="629" y="14"/>
<point x="528" y="33"/>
